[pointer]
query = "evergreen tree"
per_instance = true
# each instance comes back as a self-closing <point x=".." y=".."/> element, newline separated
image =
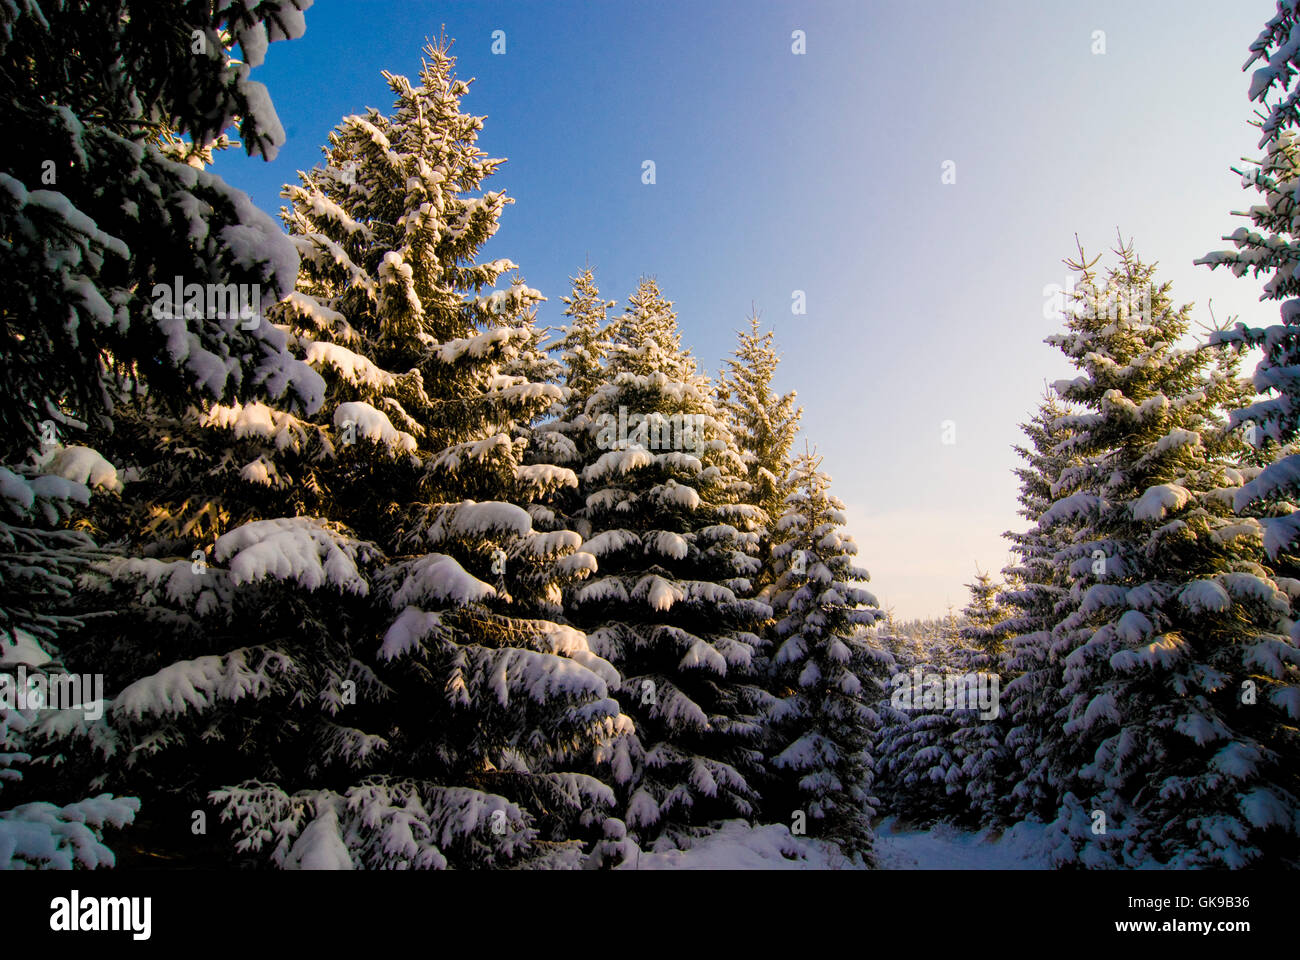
<point x="585" y="343"/>
<point x="664" y="513"/>
<point x="100" y="204"/>
<point x="566" y="437"/>
<point x="1034" y="708"/>
<point x="1271" y="247"/>
<point x="645" y="337"/>
<point x="1178" y="669"/>
<point x="359" y="651"/>
<point x="97" y="92"/>
<point x="979" y="740"/>
<point x="981" y="617"/>
<point x="763" y="422"/>
<point x="826" y="671"/>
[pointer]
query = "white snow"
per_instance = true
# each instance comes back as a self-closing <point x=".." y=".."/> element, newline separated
<point x="1250" y="587"/>
<point x="84" y="466"/>
<point x="260" y="471"/>
<point x="672" y="494"/>
<point x="666" y="544"/>
<point x="579" y="564"/>
<point x="552" y="544"/>
<point x="22" y="648"/>
<point x="611" y="541"/>
<point x="739" y="846"/>
<point x="484" y="343"/>
<point x="197" y="684"/>
<point x="468" y="519"/>
<point x="1160" y="500"/>
<point x="545" y="476"/>
<point x="259" y="420"/>
<point x="352" y="367"/>
<point x="320" y="846"/>
<point x="17" y="491"/>
<point x="373" y="425"/>
<point x="409" y="631"/>
<point x="948" y="848"/>
<point x="262" y="111"/>
<point x="437" y="578"/>
<point x="606" y="588"/>
<point x="44" y="835"/>
<point x="620" y="462"/>
<point x="181" y="583"/>
<point x="567" y="642"/>
<point x="659" y="593"/>
<point x="321" y="317"/>
<point x="302" y="549"/>
<point x="1205" y="596"/>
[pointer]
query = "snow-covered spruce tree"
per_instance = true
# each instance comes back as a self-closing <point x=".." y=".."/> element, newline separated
<point x="96" y="209"/>
<point x="1270" y="247"/>
<point x="764" y="424"/>
<point x="100" y="209"/>
<point x="1037" y="586"/>
<point x="359" y="666"/>
<point x="520" y="695"/>
<point x="645" y="337"/>
<point x="763" y="421"/>
<point x="585" y="341"/>
<point x="981" y="639"/>
<point x="978" y="740"/>
<point x="34" y="833"/>
<point x="663" y="511"/>
<point x="565" y="438"/>
<point x="826" y="672"/>
<point x="1180" y="676"/>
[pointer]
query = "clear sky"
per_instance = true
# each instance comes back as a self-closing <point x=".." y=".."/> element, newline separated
<point x="822" y="172"/>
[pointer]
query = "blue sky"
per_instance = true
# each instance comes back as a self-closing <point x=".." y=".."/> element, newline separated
<point x="822" y="172"/>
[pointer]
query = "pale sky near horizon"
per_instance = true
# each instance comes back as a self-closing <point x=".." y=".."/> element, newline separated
<point x="822" y="172"/>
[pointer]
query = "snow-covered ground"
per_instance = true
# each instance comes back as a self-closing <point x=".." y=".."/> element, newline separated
<point x="738" y="846"/>
<point x="947" y="848"/>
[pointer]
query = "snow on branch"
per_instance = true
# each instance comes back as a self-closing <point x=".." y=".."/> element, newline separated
<point x="302" y="549"/>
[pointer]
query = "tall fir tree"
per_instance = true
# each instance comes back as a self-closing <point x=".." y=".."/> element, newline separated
<point x="826" y="670"/>
<point x="663" y="511"/>
<point x="1180" y="673"/>
<point x="1271" y="247"/>
<point x="1031" y="696"/>
<point x="565" y="437"/>
<point x="586" y="340"/>
<point x="763" y="421"/>
<point x="358" y="663"/>
<point x="645" y="337"/>
<point x="979" y="735"/>
<point x="100" y="205"/>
